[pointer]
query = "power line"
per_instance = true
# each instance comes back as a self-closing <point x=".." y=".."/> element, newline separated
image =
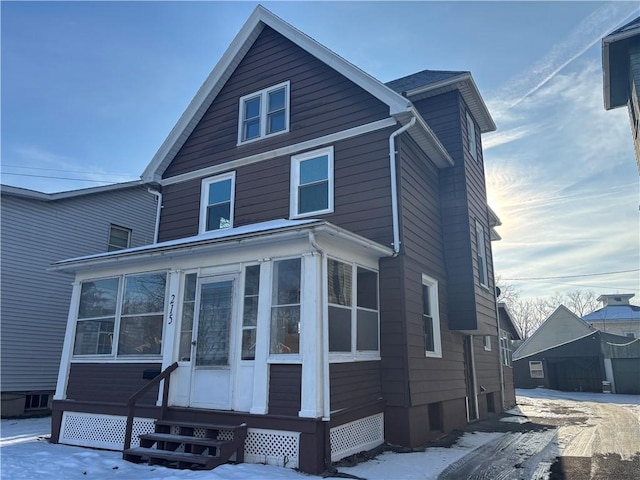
<point x="59" y="170"/>
<point x="60" y="178"/>
<point x="572" y="276"/>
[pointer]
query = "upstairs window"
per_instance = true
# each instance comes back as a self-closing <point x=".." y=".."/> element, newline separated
<point x="312" y="183"/>
<point x="431" y="317"/>
<point x="264" y="113"/>
<point x="119" y="238"/>
<point x="482" y="255"/>
<point x="216" y="202"/>
<point x="471" y="137"/>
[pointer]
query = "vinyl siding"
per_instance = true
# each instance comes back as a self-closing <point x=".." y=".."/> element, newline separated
<point x="35" y="302"/>
<point x="285" y="387"/>
<point x="322" y="102"/>
<point x="354" y="384"/>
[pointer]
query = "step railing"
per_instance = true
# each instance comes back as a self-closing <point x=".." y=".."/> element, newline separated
<point x="131" y="402"/>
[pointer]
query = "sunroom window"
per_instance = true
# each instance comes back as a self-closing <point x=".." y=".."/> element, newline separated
<point x="285" y="307"/>
<point x="126" y="312"/>
<point x="264" y="113"/>
<point x="349" y="318"/>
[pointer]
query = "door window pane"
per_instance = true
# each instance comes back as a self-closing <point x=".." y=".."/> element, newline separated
<point x="188" y="308"/>
<point x="214" y="321"/>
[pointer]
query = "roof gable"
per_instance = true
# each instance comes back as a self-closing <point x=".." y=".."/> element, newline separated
<point x="561" y="327"/>
<point x="230" y="60"/>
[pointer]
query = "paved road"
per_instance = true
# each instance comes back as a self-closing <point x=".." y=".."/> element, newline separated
<point x="565" y="440"/>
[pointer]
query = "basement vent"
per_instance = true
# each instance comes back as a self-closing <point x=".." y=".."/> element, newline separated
<point x="357" y="436"/>
<point x="101" y="431"/>
<point x="272" y="447"/>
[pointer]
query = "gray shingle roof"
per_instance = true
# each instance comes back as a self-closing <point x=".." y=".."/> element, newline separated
<point x="614" y="313"/>
<point x="420" y="79"/>
<point x="635" y="23"/>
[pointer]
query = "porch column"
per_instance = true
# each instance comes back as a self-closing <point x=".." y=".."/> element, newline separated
<point x="311" y="404"/>
<point x="259" y="404"/>
<point x="67" y="346"/>
<point x="170" y="320"/>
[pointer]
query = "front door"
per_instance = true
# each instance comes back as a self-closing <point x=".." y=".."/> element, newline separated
<point x="212" y="353"/>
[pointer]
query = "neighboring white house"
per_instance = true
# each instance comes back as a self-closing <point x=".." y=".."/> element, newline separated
<point x="616" y="316"/>
<point x="38" y="229"/>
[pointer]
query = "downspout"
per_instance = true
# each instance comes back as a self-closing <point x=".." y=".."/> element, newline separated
<point x="394" y="186"/>
<point x="500" y="364"/>
<point x="158" y="195"/>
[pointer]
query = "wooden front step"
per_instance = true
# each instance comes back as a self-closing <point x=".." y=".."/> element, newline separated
<point x="175" y="445"/>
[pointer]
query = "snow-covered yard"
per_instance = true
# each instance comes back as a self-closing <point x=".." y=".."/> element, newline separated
<point x="25" y="454"/>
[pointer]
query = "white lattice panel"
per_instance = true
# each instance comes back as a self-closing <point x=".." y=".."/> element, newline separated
<point x="272" y="447"/>
<point x="100" y="431"/>
<point x="357" y="436"/>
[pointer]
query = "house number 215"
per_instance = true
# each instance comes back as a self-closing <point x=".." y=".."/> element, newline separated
<point x="171" y="304"/>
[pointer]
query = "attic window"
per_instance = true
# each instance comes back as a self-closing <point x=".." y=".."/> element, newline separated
<point x="264" y="113"/>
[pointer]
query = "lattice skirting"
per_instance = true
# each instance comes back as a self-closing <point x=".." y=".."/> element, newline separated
<point x="357" y="436"/>
<point x="272" y="447"/>
<point x="101" y="431"/>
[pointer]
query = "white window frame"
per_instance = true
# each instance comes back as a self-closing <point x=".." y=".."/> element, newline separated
<point x="432" y="285"/>
<point x="110" y="244"/>
<point x="355" y="354"/>
<point x="117" y="322"/>
<point x="295" y="182"/>
<point x="204" y="199"/>
<point x="533" y="368"/>
<point x="487" y="343"/>
<point x="505" y="348"/>
<point x="471" y="137"/>
<point x="264" y="102"/>
<point x="481" y="247"/>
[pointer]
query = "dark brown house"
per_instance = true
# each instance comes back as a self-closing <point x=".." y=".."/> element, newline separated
<point x="323" y="277"/>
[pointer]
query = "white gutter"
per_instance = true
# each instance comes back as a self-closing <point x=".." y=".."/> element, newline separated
<point x="158" y="195"/>
<point x="394" y="186"/>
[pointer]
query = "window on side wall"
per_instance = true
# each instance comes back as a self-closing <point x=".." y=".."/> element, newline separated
<point x="312" y="183"/>
<point x="121" y="316"/>
<point x="482" y="255"/>
<point x="353" y="309"/>
<point x="285" y="307"/>
<point x="431" y="317"/>
<point x="119" y="238"/>
<point x="217" y="202"/>
<point x="536" y="370"/>
<point x="264" y="113"/>
<point x="505" y="348"/>
<point x="471" y="137"/>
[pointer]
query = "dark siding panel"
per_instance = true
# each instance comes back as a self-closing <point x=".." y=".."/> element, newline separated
<point x="285" y="386"/>
<point x="322" y="102"/>
<point x="110" y="382"/>
<point x="354" y="384"/>
<point x="487" y="364"/>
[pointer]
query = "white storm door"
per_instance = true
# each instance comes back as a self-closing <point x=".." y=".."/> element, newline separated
<point x="214" y="322"/>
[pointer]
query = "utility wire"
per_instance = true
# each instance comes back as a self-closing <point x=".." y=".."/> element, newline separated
<point x="572" y="276"/>
<point x="59" y="170"/>
<point x="61" y="178"/>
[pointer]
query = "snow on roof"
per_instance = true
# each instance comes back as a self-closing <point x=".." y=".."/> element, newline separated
<point x="243" y="230"/>
<point x="614" y="313"/>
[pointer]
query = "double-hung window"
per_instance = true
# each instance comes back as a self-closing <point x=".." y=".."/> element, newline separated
<point x="471" y="137"/>
<point x="353" y="309"/>
<point x="312" y="183"/>
<point x="482" y="255"/>
<point x="431" y="317"/>
<point x="121" y="315"/>
<point x="536" y="370"/>
<point x="119" y="238"/>
<point x="216" y="202"/>
<point x="264" y="113"/>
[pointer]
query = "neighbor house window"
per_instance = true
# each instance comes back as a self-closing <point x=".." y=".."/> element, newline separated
<point x="285" y="307"/>
<point x="536" y="370"/>
<point x="126" y="312"/>
<point x="505" y="348"/>
<point x="353" y="308"/>
<point x="431" y="317"/>
<point x="471" y="137"/>
<point x="482" y="255"/>
<point x="119" y="238"/>
<point x="250" y="311"/>
<point x="487" y="343"/>
<point x="312" y="183"/>
<point x="216" y="202"/>
<point x="264" y="113"/>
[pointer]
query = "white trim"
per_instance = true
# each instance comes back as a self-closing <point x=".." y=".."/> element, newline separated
<point x="432" y="283"/>
<point x="281" y="152"/>
<point x="295" y="182"/>
<point x="171" y="320"/>
<point x="541" y="370"/>
<point x="263" y="115"/>
<point x="260" y="402"/>
<point x="204" y="202"/>
<point x="67" y="346"/>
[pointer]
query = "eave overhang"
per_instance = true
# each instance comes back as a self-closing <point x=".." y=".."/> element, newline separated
<point x="615" y="66"/>
<point x="426" y="138"/>
<point x="223" y="70"/>
<point x="465" y="84"/>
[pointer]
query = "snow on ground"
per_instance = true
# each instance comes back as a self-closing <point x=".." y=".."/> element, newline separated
<point x="25" y="454"/>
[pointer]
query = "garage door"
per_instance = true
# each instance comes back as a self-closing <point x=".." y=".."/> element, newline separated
<point x="626" y="373"/>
